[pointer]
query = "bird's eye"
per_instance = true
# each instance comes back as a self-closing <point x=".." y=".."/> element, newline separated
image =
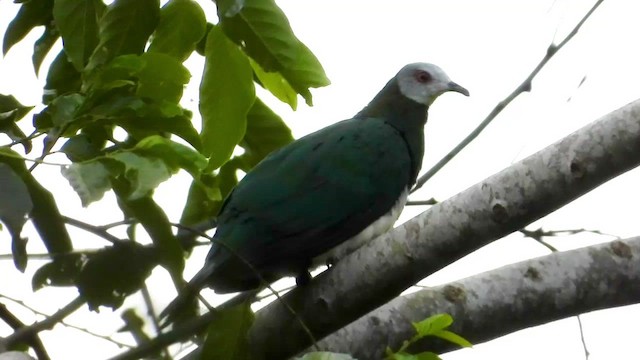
<point x="422" y="76"/>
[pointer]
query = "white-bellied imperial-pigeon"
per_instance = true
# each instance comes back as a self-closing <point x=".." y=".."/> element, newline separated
<point x="326" y="194"/>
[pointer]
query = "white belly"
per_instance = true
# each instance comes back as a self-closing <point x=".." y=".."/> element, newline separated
<point x="377" y="228"/>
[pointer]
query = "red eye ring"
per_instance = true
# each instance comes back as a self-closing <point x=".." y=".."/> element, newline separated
<point x="422" y="76"/>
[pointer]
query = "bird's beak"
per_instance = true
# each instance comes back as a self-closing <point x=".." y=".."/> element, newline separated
<point x="457" y="88"/>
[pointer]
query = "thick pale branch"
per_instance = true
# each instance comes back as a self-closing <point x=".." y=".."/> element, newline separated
<point x="489" y="210"/>
<point x="504" y="300"/>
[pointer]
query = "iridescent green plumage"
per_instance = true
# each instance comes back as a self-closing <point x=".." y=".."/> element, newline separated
<point x="324" y="189"/>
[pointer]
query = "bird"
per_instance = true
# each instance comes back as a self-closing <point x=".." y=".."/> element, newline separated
<point x="321" y="197"/>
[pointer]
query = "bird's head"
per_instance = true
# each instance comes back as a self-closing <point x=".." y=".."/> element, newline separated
<point x="423" y="83"/>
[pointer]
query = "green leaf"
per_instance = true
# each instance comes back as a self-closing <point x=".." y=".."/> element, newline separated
<point x="113" y="273"/>
<point x="266" y="132"/>
<point x="227" y="334"/>
<point x="454" y="338"/>
<point x="31" y="14"/>
<point x="433" y="324"/>
<point x="182" y="25"/>
<point x="125" y="29"/>
<point x="162" y="78"/>
<point x="43" y="45"/>
<point x="421" y="356"/>
<point x="156" y="224"/>
<point x="80" y="147"/>
<point x="63" y="109"/>
<point x="226" y="95"/>
<point x="12" y="111"/>
<point x="62" y="78"/>
<point x="263" y="30"/>
<point x="203" y="201"/>
<point x="174" y="155"/>
<point x="91" y="179"/>
<point x="15" y="204"/>
<point x="276" y="84"/>
<point x="139" y="170"/>
<point x="77" y="21"/>
<point x="9" y="103"/>
<point x="45" y="215"/>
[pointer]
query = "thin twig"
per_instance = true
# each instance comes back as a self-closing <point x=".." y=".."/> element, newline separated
<point x="151" y="312"/>
<point x="525" y="86"/>
<point x="96" y="230"/>
<point x="31" y="136"/>
<point x="26" y="332"/>
<point x="584" y="343"/>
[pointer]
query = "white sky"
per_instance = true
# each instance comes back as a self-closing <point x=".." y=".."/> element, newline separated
<point x="487" y="46"/>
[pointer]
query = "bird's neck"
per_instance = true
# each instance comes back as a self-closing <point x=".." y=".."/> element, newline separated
<point x="405" y="115"/>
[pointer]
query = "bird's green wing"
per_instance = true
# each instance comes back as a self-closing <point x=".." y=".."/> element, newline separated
<point x="314" y="194"/>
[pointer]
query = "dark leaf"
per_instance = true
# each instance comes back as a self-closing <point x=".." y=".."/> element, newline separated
<point x="62" y="79"/>
<point x="31" y="14"/>
<point x="77" y="21"/>
<point x="45" y="215"/>
<point x="265" y="133"/>
<point x="156" y="224"/>
<point x="113" y="273"/>
<point x="80" y="147"/>
<point x="203" y="201"/>
<point x="12" y="111"/>
<point x="226" y="95"/>
<point x="182" y="25"/>
<point x="15" y="204"/>
<point x="43" y="45"/>
<point x="263" y="30"/>
<point x="227" y="334"/>
<point x="125" y="29"/>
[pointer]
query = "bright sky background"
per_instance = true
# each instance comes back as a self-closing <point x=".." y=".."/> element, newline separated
<point x="487" y="46"/>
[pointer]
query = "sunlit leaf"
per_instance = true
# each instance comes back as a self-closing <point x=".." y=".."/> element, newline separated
<point x="276" y="84"/>
<point x="227" y="334"/>
<point x="162" y="78"/>
<point x="226" y="95"/>
<point x="182" y="25"/>
<point x="263" y="30"/>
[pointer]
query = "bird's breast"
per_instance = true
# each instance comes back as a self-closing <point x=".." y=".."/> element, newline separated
<point x="375" y="229"/>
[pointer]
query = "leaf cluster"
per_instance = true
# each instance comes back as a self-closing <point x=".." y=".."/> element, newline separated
<point x="120" y="70"/>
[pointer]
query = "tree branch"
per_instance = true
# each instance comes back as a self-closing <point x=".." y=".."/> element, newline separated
<point x="23" y="334"/>
<point x="498" y="302"/>
<point x="489" y="210"/>
<point x="33" y="341"/>
<point x="525" y="86"/>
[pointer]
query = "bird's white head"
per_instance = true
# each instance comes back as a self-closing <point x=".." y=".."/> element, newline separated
<point x="423" y="83"/>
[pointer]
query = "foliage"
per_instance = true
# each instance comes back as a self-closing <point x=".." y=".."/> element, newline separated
<point x="435" y="325"/>
<point x="120" y="68"/>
